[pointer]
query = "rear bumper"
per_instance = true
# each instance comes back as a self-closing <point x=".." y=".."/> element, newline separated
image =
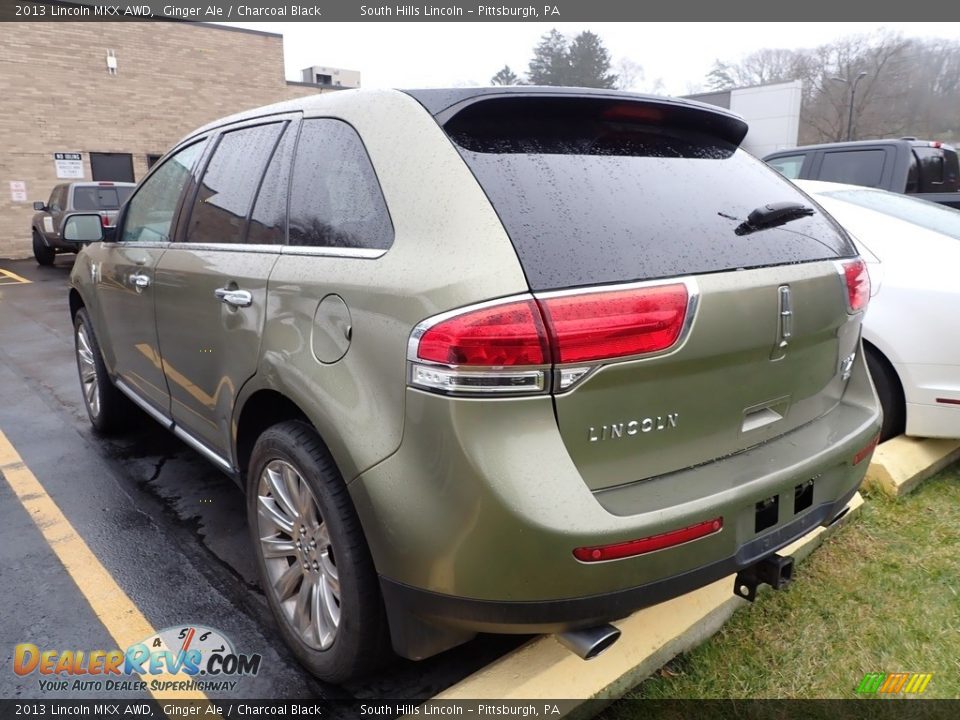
<point x="548" y="616"/>
<point x="472" y="523"/>
<point x="926" y="385"/>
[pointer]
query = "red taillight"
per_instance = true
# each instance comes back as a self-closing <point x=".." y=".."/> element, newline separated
<point x="598" y="326"/>
<point x="503" y="335"/>
<point x="105" y="221"/>
<point x="504" y="348"/>
<point x="858" y="284"/>
<point x="648" y="544"/>
<point x="865" y="452"/>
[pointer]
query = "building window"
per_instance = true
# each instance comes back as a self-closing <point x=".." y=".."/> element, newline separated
<point x="152" y="159"/>
<point x="324" y="79"/>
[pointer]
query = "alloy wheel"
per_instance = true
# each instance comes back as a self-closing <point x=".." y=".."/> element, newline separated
<point x="298" y="554"/>
<point x="87" y="365"/>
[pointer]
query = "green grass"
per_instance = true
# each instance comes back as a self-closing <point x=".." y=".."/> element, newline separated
<point x="881" y="595"/>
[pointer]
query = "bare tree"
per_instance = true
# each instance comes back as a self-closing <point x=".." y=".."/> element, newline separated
<point x="911" y="86"/>
<point x="630" y="75"/>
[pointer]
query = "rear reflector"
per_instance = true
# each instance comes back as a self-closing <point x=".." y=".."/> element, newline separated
<point x="949" y="401"/>
<point x="648" y="544"/>
<point x="867" y="450"/>
<point x="603" y="325"/>
<point x="858" y="284"/>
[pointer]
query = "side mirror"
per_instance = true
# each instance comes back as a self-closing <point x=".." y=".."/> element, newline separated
<point x="39" y="206"/>
<point x="82" y="228"/>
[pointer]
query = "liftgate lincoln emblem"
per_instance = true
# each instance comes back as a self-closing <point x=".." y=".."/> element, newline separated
<point x="633" y="427"/>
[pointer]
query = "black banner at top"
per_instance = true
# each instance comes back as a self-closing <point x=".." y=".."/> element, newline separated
<point x="474" y="10"/>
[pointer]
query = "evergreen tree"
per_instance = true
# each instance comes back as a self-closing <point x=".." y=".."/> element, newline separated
<point x="505" y="76"/>
<point x="589" y="62"/>
<point x="550" y="64"/>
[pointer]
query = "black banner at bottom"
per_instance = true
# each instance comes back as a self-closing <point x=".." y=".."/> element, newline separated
<point x="891" y="709"/>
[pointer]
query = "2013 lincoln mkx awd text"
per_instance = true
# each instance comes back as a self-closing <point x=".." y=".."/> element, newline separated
<point x="503" y="360"/>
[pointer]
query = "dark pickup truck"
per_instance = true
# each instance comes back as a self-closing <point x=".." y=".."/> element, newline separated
<point x="923" y="168"/>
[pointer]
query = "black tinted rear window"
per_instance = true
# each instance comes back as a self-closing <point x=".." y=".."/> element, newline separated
<point x="598" y="192"/>
<point x="100" y="197"/>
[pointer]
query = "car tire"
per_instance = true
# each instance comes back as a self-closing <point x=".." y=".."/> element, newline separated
<point x="314" y="564"/>
<point x="890" y="392"/>
<point x="44" y="255"/>
<point x="107" y="407"/>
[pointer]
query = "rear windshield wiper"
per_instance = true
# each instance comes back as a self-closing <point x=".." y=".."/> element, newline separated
<point x="772" y="215"/>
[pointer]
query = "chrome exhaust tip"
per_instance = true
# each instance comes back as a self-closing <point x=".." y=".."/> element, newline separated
<point x="589" y="642"/>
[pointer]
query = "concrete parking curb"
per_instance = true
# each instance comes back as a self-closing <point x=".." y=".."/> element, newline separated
<point x="900" y="464"/>
<point x="543" y="669"/>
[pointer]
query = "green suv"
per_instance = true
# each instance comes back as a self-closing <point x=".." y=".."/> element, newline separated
<point x="505" y="360"/>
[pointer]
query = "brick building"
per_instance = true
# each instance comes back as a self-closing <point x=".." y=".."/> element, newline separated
<point x="61" y="95"/>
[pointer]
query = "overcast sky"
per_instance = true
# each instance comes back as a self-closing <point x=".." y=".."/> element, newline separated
<point x="436" y="54"/>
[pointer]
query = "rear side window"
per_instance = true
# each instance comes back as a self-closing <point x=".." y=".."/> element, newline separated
<point x="229" y="184"/>
<point x="854" y="167"/>
<point x="268" y="222"/>
<point x="601" y="191"/>
<point x="335" y="198"/>
<point x="789" y="167"/>
<point x="99" y="197"/>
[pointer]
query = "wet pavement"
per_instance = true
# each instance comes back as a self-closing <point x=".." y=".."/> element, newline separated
<point x="168" y="527"/>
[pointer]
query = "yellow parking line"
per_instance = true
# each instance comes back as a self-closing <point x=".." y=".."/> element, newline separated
<point x="13" y="277"/>
<point x="109" y="602"/>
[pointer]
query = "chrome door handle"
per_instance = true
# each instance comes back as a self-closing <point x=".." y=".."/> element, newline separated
<point x="234" y="298"/>
<point x="140" y="281"/>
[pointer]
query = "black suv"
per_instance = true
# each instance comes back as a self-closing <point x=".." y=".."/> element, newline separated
<point x="926" y="168"/>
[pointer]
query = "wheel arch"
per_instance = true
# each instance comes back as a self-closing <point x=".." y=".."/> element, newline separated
<point x="883" y="355"/>
<point x="259" y="410"/>
<point x="76" y="302"/>
<point x="891" y="371"/>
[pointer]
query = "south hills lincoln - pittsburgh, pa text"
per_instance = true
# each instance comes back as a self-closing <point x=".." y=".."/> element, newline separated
<point x="406" y="11"/>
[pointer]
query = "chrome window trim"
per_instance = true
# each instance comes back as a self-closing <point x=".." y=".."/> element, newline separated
<point x="358" y="253"/>
<point x="225" y="247"/>
<point x="152" y="244"/>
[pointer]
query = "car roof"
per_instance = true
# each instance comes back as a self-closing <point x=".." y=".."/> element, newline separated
<point x="101" y="183"/>
<point x="910" y="142"/>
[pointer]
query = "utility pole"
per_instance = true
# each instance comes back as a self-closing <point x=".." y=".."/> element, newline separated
<point x="853" y="95"/>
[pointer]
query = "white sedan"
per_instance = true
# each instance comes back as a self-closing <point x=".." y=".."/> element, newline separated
<point x="911" y="332"/>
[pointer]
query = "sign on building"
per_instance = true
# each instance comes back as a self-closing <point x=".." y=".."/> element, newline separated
<point x="18" y="191"/>
<point x="69" y="165"/>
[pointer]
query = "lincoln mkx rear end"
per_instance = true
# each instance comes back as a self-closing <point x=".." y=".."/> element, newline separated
<point x="678" y="393"/>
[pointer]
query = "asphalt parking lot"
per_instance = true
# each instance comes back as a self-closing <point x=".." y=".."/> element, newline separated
<point x="161" y="523"/>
